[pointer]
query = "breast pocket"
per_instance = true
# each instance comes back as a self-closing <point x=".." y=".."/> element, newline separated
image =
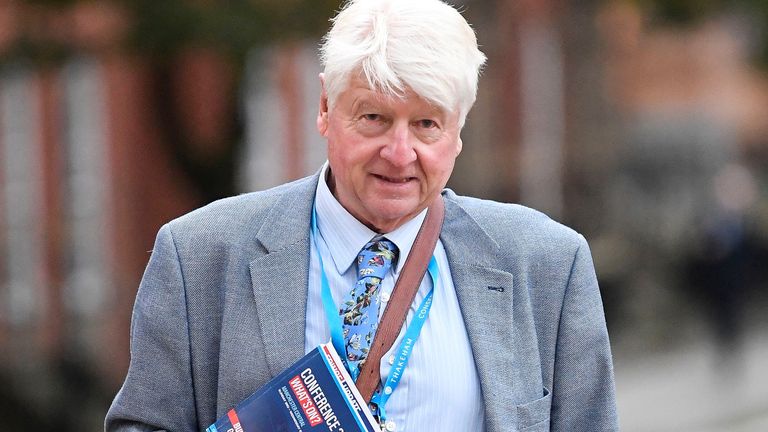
<point x="534" y="416"/>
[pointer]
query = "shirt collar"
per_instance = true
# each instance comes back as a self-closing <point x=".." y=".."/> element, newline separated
<point x="345" y="236"/>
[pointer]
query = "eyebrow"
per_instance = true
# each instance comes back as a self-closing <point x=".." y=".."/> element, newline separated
<point x="365" y="103"/>
<point x="362" y="104"/>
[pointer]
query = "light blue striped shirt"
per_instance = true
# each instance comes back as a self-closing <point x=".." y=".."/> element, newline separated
<point x="440" y="389"/>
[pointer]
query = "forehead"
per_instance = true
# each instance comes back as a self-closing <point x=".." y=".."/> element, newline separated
<point x="359" y="94"/>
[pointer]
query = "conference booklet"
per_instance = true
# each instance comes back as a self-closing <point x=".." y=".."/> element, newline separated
<point x="315" y="394"/>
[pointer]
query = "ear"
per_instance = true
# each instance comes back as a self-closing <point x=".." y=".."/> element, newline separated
<point x="459" y="145"/>
<point x="322" y="113"/>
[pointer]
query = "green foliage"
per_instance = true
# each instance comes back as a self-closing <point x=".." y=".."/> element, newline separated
<point x="232" y="26"/>
<point x="758" y="11"/>
<point x="162" y="28"/>
<point x="691" y="12"/>
<point x="680" y="12"/>
<point x="52" y="3"/>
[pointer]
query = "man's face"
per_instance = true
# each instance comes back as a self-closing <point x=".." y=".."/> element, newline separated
<point x="389" y="157"/>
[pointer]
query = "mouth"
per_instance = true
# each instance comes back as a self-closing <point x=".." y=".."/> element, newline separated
<point x="394" y="180"/>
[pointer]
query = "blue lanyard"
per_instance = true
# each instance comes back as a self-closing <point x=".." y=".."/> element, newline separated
<point x="406" y="345"/>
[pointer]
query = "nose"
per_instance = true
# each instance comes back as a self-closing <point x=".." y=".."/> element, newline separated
<point x="399" y="148"/>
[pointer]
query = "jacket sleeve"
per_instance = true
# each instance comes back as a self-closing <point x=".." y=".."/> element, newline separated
<point x="583" y="394"/>
<point x="158" y="393"/>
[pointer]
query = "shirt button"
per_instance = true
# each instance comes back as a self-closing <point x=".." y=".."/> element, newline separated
<point x="385" y="297"/>
<point x="392" y="359"/>
<point x="390" y="426"/>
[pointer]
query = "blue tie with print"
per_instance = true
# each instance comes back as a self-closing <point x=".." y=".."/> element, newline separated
<point x="360" y="310"/>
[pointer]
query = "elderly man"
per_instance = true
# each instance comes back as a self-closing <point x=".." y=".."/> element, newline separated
<point x="515" y="339"/>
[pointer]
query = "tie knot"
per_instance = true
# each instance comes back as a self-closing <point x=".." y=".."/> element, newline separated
<point x="376" y="258"/>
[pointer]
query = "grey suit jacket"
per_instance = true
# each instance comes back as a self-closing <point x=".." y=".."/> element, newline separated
<point x="221" y="310"/>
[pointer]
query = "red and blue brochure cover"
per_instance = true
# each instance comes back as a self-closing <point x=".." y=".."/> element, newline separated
<point x="316" y="394"/>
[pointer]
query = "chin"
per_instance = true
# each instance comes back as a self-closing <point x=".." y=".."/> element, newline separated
<point x="394" y="213"/>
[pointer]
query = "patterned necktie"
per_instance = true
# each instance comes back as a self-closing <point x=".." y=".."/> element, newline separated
<point x="360" y="310"/>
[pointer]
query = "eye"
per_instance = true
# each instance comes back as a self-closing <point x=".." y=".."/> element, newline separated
<point x="426" y="124"/>
<point x="371" y="117"/>
<point x="372" y="124"/>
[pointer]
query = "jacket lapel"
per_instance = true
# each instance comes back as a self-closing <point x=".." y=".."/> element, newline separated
<point x="279" y="277"/>
<point x="485" y="295"/>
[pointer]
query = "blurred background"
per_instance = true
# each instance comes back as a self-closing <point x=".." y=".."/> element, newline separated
<point x="643" y="124"/>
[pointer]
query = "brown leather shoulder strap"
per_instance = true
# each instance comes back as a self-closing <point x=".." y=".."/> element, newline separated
<point x="404" y="292"/>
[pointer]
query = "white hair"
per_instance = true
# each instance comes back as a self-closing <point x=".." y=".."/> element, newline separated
<point x="422" y="45"/>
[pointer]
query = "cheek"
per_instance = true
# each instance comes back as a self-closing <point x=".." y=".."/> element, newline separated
<point x="437" y="162"/>
<point x="348" y="158"/>
<point x="338" y="147"/>
<point x="438" y="167"/>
